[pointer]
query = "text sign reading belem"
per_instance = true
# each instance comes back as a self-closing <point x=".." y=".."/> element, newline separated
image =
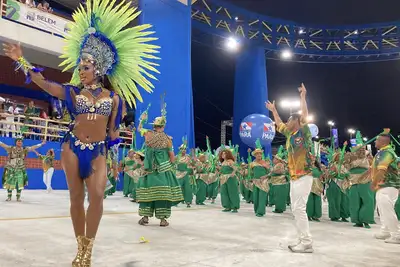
<point x="36" y="18"/>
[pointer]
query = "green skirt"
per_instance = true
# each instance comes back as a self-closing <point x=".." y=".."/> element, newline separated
<point x="14" y="179"/>
<point x="157" y="186"/>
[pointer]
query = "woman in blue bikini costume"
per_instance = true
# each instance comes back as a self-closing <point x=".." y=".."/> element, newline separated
<point x="109" y="59"/>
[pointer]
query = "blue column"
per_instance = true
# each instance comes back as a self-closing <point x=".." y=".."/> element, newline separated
<point x="171" y="21"/>
<point x="251" y="90"/>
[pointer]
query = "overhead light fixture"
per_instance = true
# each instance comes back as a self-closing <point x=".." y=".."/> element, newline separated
<point x="232" y="44"/>
<point x="301" y="31"/>
<point x="286" y="54"/>
<point x="236" y="18"/>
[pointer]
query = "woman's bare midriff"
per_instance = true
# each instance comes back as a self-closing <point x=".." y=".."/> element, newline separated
<point x="90" y="131"/>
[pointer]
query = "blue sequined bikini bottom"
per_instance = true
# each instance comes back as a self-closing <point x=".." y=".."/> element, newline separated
<point x="86" y="153"/>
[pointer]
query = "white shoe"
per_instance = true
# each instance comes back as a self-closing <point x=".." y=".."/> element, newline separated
<point x="382" y="236"/>
<point x="294" y="242"/>
<point x="301" y="248"/>
<point x="392" y="240"/>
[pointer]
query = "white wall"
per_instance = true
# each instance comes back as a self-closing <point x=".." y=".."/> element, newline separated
<point x="29" y="37"/>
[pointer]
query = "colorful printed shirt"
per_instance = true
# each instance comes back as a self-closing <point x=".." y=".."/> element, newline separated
<point x="47" y="162"/>
<point x="386" y="160"/>
<point x="298" y="145"/>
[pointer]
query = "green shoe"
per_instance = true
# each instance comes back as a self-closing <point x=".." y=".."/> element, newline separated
<point x="226" y="210"/>
<point x="344" y="220"/>
<point x="315" y="219"/>
<point x="234" y="211"/>
<point x="309" y="219"/>
<point x="334" y="220"/>
<point x="277" y="211"/>
<point x="358" y="225"/>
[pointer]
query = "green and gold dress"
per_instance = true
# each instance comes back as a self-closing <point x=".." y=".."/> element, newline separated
<point x="280" y="185"/>
<point x="184" y="174"/>
<point x="336" y="193"/>
<point x="314" y="202"/>
<point x="14" y="175"/>
<point x="229" y="187"/>
<point x="110" y="176"/>
<point x="158" y="190"/>
<point x="259" y="176"/>
<point x="362" y="199"/>
<point x="212" y="185"/>
<point x="201" y="181"/>
<point x="129" y="165"/>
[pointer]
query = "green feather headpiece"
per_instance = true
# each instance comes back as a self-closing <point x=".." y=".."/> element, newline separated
<point x="99" y="35"/>
<point x="184" y="143"/>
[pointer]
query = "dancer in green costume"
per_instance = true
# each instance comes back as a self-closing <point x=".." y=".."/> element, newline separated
<point x="128" y="164"/>
<point x="138" y="171"/>
<point x="212" y="181"/>
<point x="14" y="175"/>
<point x="184" y="174"/>
<point x="259" y="170"/>
<point x="112" y="172"/>
<point x="244" y="183"/>
<point x="338" y="184"/>
<point x="158" y="189"/>
<point x="314" y="203"/>
<point x="229" y="184"/>
<point x="202" y="167"/>
<point x="279" y="181"/>
<point x="362" y="206"/>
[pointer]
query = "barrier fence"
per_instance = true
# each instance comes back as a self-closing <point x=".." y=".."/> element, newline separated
<point x="43" y="129"/>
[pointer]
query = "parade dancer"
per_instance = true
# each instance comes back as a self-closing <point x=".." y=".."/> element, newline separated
<point x="361" y="197"/>
<point x="386" y="183"/>
<point x="159" y="189"/>
<point x="48" y="167"/>
<point x="202" y="168"/>
<point x="99" y="49"/>
<point x="128" y="165"/>
<point x="259" y="170"/>
<point x="212" y="181"/>
<point x="336" y="193"/>
<point x="314" y="202"/>
<point x="136" y="174"/>
<point x="298" y="145"/>
<point x="112" y="172"/>
<point x="279" y="181"/>
<point x="14" y="175"/>
<point x="230" y="198"/>
<point x="184" y="174"/>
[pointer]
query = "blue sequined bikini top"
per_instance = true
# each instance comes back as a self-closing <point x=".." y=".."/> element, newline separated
<point x="101" y="107"/>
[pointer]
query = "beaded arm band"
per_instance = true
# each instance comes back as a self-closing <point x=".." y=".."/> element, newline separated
<point x="23" y="64"/>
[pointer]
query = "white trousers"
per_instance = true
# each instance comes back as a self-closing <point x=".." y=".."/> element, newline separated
<point x="47" y="176"/>
<point x="386" y="199"/>
<point x="299" y="191"/>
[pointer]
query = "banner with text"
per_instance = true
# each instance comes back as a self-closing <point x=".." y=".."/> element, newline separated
<point x="34" y="17"/>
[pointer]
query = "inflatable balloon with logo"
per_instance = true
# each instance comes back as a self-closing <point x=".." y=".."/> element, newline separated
<point x="313" y="129"/>
<point x="257" y="126"/>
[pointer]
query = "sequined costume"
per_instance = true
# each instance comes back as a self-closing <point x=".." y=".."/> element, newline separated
<point x="14" y="174"/>
<point x="202" y="176"/>
<point x="259" y="174"/>
<point x="184" y="174"/>
<point x="158" y="189"/>
<point x="280" y="184"/>
<point x="230" y="198"/>
<point x="314" y="203"/>
<point x="361" y="197"/>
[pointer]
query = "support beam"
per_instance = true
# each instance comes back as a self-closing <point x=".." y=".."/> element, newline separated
<point x="251" y="90"/>
<point x="171" y="21"/>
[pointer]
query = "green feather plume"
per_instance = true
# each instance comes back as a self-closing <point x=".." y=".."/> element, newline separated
<point x="136" y="55"/>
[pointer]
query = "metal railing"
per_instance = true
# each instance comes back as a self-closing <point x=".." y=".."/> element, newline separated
<point x="44" y="129"/>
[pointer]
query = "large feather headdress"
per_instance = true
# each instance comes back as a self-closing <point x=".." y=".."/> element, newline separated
<point x="99" y="34"/>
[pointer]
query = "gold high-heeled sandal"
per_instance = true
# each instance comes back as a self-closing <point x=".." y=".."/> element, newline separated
<point x="87" y="256"/>
<point x="77" y="262"/>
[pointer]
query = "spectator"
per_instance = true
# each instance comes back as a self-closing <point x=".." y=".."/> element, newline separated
<point x="45" y="6"/>
<point x="30" y="3"/>
<point x="12" y="111"/>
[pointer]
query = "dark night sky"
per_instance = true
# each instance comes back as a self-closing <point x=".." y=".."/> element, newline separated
<point x="363" y="95"/>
